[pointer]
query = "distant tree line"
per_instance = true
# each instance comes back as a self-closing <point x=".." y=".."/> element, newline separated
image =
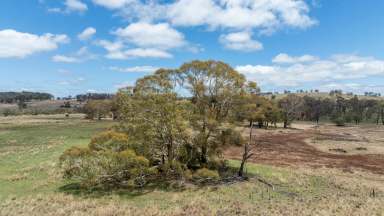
<point x="24" y="96"/>
<point x="336" y="109"/>
<point x="94" y="96"/>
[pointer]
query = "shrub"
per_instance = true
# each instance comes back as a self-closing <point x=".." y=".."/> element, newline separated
<point x="231" y="137"/>
<point x="206" y="175"/>
<point x="109" y="140"/>
<point x="105" y="168"/>
<point x="9" y="112"/>
<point x="339" y="121"/>
<point x="174" y="170"/>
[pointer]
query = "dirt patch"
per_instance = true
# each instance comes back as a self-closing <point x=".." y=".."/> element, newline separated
<point x="292" y="148"/>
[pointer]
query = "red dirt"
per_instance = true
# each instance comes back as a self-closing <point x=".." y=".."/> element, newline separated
<point x="291" y="149"/>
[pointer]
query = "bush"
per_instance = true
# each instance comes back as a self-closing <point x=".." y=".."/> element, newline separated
<point x="174" y="170"/>
<point x="109" y="140"/>
<point x="339" y="121"/>
<point x="106" y="169"/>
<point x="231" y="137"/>
<point x="206" y="175"/>
<point x="9" y="112"/>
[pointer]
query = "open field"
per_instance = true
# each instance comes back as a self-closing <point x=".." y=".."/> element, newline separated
<point x="347" y="148"/>
<point x="307" y="178"/>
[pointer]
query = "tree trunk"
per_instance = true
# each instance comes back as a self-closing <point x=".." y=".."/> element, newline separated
<point x="285" y="123"/>
<point x="247" y="152"/>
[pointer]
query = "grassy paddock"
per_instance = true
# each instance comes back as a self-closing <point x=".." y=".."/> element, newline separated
<point x="30" y="183"/>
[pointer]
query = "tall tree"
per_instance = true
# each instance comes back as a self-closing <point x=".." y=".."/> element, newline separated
<point x="214" y="87"/>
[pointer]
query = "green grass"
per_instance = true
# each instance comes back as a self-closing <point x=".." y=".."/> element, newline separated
<point x="29" y="154"/>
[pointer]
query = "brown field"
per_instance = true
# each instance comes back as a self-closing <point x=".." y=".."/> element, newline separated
<point x="347" y="148"/>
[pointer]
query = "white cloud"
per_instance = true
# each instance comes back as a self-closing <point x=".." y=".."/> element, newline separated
<point x="81" y="55"/>
<point x="144" y="40"/>
<point x="239" y="14"/>
<point x="241" y="41"/>
<point x="87" y="33"/>
<point x="136" y="69"/>
<point x="286" y="59"/>
<point x="140" y="53"/>
<point x="75" y="5"/>
<point x="335" y="69"/>
<point x="143" y="34"/>
<point x="19" y="44"/>
<point x="263" y="16"/>
<point x="64" y="59"/>
<point x="117" y="50"/>
<point x="54" y="10"/>
<point x="112" y="4"/>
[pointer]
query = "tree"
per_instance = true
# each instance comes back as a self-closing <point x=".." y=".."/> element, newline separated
<point x="97" y="109"/>
<point x="153" y="115"/>
<point x="291" y="106"/>
<point x="214" y="87"/>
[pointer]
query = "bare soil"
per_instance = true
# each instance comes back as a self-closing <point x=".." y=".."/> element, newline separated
<point x="295" y="147"/>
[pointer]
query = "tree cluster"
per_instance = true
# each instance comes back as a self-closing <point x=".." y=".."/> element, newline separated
<point x="94" y="96"/>
<point x="174" y="125"/>
<point x="24" y="96"/>
<point x="337" y="109"/>
<point x="175" y="122"/>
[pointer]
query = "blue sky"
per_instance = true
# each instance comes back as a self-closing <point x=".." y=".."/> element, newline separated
<point x="68" y="47"/>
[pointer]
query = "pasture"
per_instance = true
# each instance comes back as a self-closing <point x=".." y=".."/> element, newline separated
<point x="307" y="177"/>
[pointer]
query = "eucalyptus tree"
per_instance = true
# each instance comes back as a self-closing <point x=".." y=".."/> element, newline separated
<point x="291" y="106"/>
<point x="213" y="87"/>
<point x="153" y="116"/>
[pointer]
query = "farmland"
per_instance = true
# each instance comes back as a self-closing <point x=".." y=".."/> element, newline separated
<point x="307" y="177"/>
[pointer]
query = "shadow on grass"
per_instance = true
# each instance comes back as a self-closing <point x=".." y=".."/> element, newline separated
<point x="125" y="192"/>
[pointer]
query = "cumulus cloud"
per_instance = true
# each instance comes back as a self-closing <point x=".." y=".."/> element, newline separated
<point x="112" y="4"/>
<point x="144" y="34"/>
<point x="117" y="50"/>
<point x="87" y="33"/>
<point x="20" y="44"/>
<point x="75" y="5"/>
<point x="218" y="13"/>
<point x="83" y="54"/>
<point x="136" y="69"/>
<point x="284" y="58"/>
<point x="64" y="59"/>
<point x="242" y="16"/>
<point x="143" y="40"/>
<point x="334" y="69"/>
<point x="241" y="41"/>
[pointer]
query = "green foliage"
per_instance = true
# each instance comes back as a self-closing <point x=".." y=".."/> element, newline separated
<point x="339" y="120"/>
<point x="9" y="112"/>
<point x="205" y="175"/>
<point x="109" y="140"/>
<point x="98" y="109"/>
<point x="230" y="136"/>
<point x="105" y="168"/>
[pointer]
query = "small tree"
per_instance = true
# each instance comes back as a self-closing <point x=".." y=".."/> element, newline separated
<point x="291" y="106"/>
<point x="97" y="109"/>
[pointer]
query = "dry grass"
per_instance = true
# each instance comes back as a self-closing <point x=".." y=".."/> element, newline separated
<point x="31" y="184"/>
<point x="298" y="192"/>
<point x="39" y="119"/>
<point x="363" y="139"/>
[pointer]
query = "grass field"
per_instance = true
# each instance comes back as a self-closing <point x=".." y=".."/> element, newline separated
<point x="31" y="183"/>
